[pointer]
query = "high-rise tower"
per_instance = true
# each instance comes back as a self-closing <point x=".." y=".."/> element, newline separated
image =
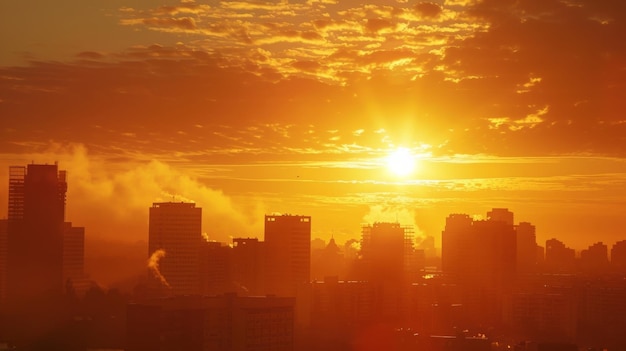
<point x="526" y="247"/>
<point x="480" y="256"/>
<point x="3" y="262"/>
<point x="387" y="253"/>
<point x="174" y="242"/>
<point x="35" y="231"/>
<point x="288" y="250"/>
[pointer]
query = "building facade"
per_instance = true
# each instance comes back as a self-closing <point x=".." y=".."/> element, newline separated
<point x="288" y="253"/>
<point x="481" y="256"/>
<point x="174" y="243"/>
<point x="36" y="228"/>
<point x="221" y="323"/>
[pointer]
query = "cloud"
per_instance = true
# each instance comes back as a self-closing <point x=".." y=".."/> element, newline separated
<point x="111" y="199"/>
<point x="378" y="24"/>
<point x="180" y="23"/>
<point x="468" y="78"/>
<point x="310" y="66"/>
<point x="428" y="9"/>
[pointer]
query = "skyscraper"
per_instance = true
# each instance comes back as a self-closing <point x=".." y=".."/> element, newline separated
<point x="526" y="247"/>
<point x="248" y="264"/>
<point x="3" y="262"/>
<point x="174" y="242"/>
<point x="455" y="242"/>
<point x="481" y="257"/>
<point x="42" y="250"/>
<point x="501" y="215"/>
<point x="73" y="254"/>
<point x="483" y="250"/>
<point x="595" y="259"/>
<point x="387" y="253"/>
<point x="559" y="258"/>
<point x="618" y="256"/>
<point x="35" y="231"/>
<point x="288" y="250"/>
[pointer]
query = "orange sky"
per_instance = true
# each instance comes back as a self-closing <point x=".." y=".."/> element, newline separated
<point x="250" y="107"/>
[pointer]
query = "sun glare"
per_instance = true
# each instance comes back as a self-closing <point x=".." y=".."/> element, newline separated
<point x="401" y="162"/>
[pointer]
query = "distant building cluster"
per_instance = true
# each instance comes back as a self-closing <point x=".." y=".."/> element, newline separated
<point x="492" y="288"/>
<point x="42" y="255"/>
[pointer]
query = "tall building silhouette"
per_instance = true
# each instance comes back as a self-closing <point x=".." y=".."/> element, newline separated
<point x="174" y="242"/>
<point x="3" y="261"/>
<point x="44" y="255"/>
<point x="526" y="247"/>
<point x="559" y="258"/>
<point x="288" y="252"/>
<point x="73" y="255"/>
<point x="595" y="259"/>
<point x="221" y="323"/>
<point x="481" y="257"/>
<point x="387" y="253"/>
<point x="35" y="231"/>
<point x="455" y="243"/>
<point x="248" y="265"/>
<point x="215" y="268"/>
<point x="484" y="250"/>
<point x="501" y="215"/>
<point x="618" y="256"/>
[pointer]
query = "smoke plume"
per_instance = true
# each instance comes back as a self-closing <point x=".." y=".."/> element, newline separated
<point x="153" y="265"/>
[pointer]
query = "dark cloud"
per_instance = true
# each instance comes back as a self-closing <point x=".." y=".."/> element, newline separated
<point x="309" y="66"/>
<point x="378" y="24"/>
<point x="513" y="78"/>
<point x="428" y="9"/>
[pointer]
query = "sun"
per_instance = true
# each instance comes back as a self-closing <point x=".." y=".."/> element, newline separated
<point x="401" y="162"/>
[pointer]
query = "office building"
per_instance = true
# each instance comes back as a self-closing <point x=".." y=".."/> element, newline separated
<point x="215" y="269"/>
<point x="595" y="259"/>
<point x="248" y="265"/>
<point x="501" y="215"/>
<point x="544" y="315"/>
<point x="74" y="256"/>
<point x="559" y="258"/>
<point x="455" y="242"/>
<point x="221" y="323"/>
<point x="39" y="253"/>
<point x="174" y="243"/>
<point x="3" y="261"/>
<point x="35" y="231"/>
<point x="526" y="248"/>
<point x="480" y="251"/>
<point x="618" y="256"/>
<point x="480" y="256"/>
<point x="387" y="251"/>
<point x="388" y="261"/>
<point x="288" y="253"/>
<point x="338" y="308"/>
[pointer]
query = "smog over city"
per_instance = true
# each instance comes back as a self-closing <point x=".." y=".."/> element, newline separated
<point x="313" y="175"/>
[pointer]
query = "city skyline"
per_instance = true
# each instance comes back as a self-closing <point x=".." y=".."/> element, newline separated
<point x="249" y="108"/>
<point x="492" y="285"/>
<point x="313" y="175"/>
<point x="382" y="215"/>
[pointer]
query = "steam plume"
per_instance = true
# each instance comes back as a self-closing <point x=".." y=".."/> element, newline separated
<point x="153" y="265"/>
